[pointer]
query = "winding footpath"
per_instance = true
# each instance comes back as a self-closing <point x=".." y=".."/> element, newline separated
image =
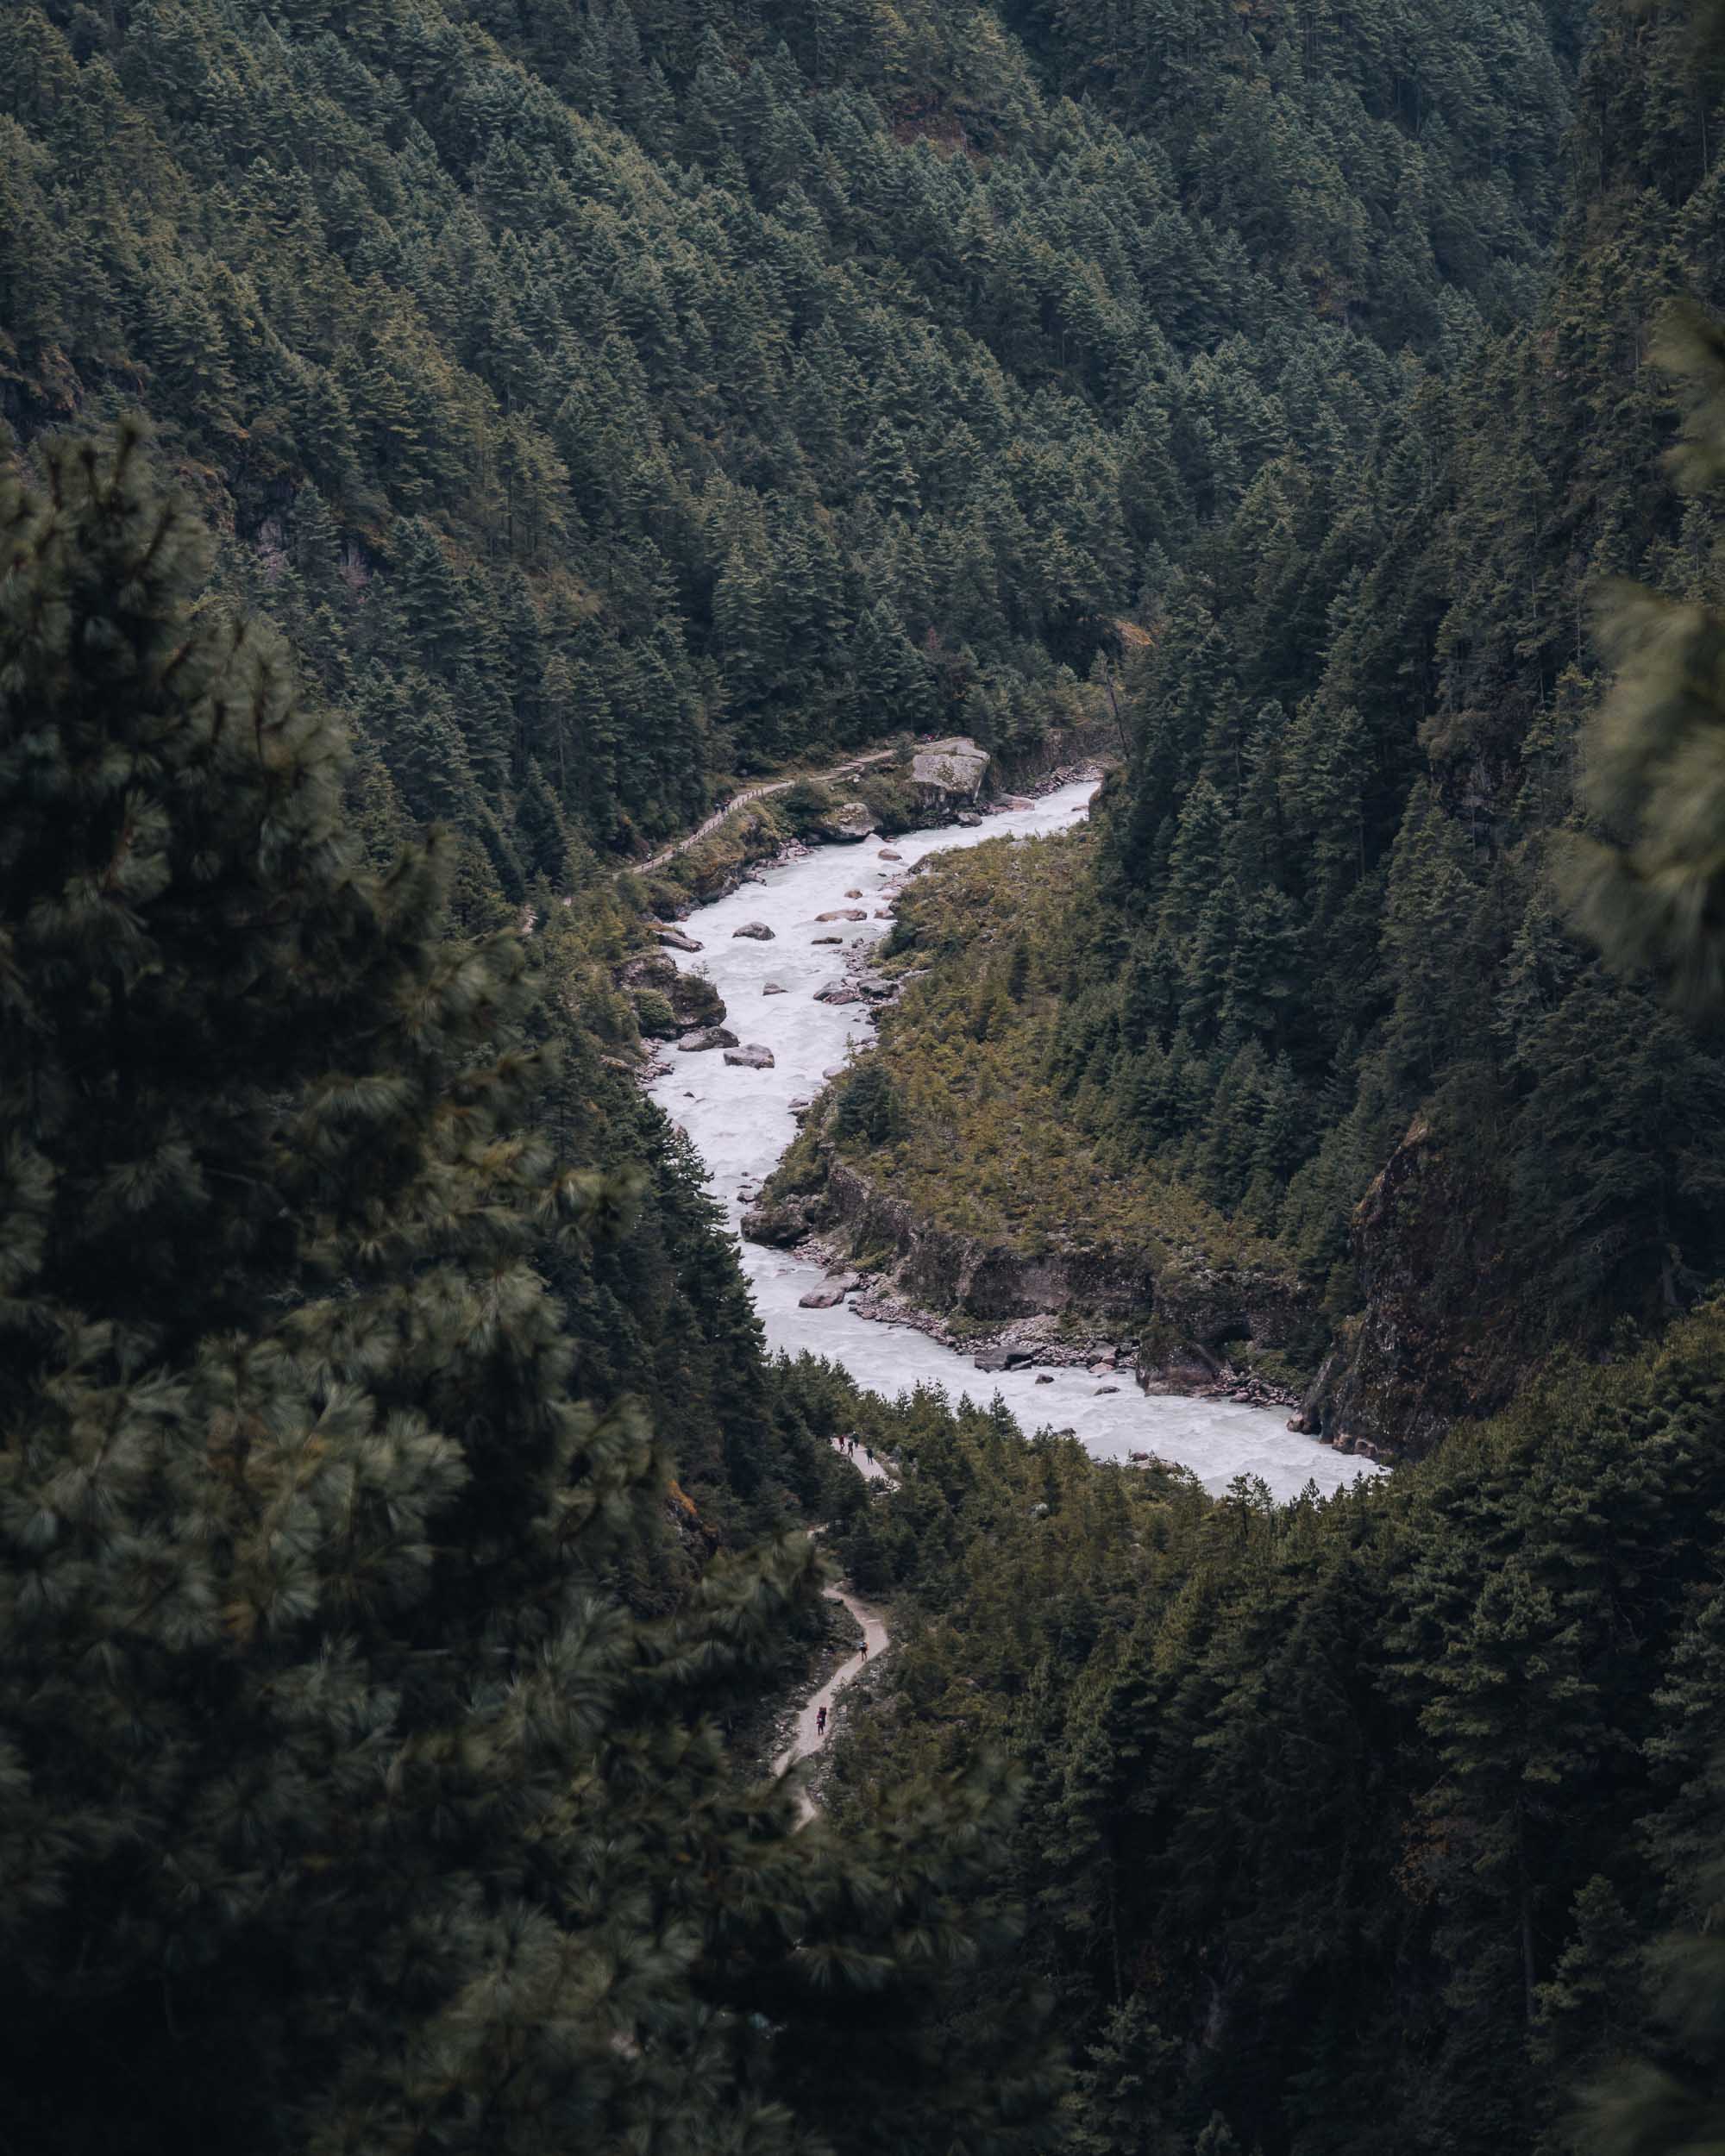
<point x="808" y="1737"/>
<point x="742" y="800"/>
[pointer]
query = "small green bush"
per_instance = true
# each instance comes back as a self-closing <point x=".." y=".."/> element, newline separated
<point x="655" y="1016"/>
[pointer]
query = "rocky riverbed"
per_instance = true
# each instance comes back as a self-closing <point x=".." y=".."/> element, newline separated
<point x="741" y="1119"/>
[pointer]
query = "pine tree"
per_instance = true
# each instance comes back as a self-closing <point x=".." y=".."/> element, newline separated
<point x="344" y="1793"/>
<point x="1658" y="752"/>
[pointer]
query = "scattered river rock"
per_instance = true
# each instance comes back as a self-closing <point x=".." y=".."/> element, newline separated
<point x="744" y="1124"/>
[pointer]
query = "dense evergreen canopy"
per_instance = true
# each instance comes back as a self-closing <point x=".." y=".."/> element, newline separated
<point x="608" y="397"/>
<point x="398" y="1561"/>
<point x="1323" y="906"/>
<point x="364" y="1781"/>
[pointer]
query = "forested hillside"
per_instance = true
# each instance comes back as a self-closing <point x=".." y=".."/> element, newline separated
<point x="448" y="444"/>
<point x="1349" y="1824"/>
<point x="364" y="1777"/>
<point x="1334" y="846"/>
<point x="609" y="399"/>
<point x="1321" y="959"/>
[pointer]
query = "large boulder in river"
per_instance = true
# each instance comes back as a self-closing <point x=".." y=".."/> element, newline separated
<point x="773" y="988"/>
<point x="706" y="1036"/>
<point x="779" y="1224"/>
<point x="838" y="991"/>
<point x="691" y="999"/>
<point x="757" y="931"/>
<point x="945" y="772"/>
<point x="750" y="1058"/>
<point x="844" y="913"/>
<point x="674" y="939"/>
<point x="821" y="1299"/>
<point x="848" y="824"/>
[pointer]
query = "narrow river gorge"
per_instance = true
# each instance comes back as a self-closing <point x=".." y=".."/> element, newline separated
<point x="741" y="1120"/>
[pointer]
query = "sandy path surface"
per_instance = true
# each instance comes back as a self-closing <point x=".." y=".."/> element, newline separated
<point x="866" y="1464"/>
<point x="807" y="1739"/>
<point x="754" y="793"/>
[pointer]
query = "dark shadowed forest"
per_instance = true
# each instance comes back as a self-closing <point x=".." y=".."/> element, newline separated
<point x="447" y="449"/>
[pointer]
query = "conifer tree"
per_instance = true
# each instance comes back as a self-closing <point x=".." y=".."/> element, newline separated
<point x="347" y="1801"/>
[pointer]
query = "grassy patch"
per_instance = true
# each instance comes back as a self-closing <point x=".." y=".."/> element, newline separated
<point x="965" y="1122"/>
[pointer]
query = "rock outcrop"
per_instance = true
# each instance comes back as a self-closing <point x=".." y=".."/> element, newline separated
<point x="956" y="1274"/>
<point x="948" y="774"/>
<point x="780" y="1223"/>
<point x="674" y="939"/>
<point x="692" y="997"/>
<point x="846" y="825"/>
<point x="1441" y="1338"/>
<point x="1187" y="1313"/>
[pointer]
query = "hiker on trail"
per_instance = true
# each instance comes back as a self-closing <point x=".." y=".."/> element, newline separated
<point x="820" y="1721"/>
<point x="869" y="1450"/>
<point x="865" y="1647"/>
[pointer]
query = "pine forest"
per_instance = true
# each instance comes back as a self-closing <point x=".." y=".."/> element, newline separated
<point x="863" y="1077"/>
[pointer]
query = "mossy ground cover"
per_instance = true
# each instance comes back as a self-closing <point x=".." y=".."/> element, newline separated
<point x="958" y="1112"/>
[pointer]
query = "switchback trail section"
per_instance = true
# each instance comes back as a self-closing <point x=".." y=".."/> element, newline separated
<point x="742" y="800"/>
<point x="806" y="1739"/>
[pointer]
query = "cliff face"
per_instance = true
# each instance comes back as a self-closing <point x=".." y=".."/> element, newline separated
<point x="1441" y="1338"/>
<point x="1193" y="1320"/>
<point x="968" y="1278"/>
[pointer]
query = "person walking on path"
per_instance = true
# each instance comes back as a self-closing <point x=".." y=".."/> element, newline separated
<point x="820" y="1723"/>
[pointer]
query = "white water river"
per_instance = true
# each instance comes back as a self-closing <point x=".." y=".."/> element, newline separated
<point x="740" y="1122"/>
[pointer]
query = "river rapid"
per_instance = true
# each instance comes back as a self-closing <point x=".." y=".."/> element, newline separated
<point x="740" y="1122"/>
